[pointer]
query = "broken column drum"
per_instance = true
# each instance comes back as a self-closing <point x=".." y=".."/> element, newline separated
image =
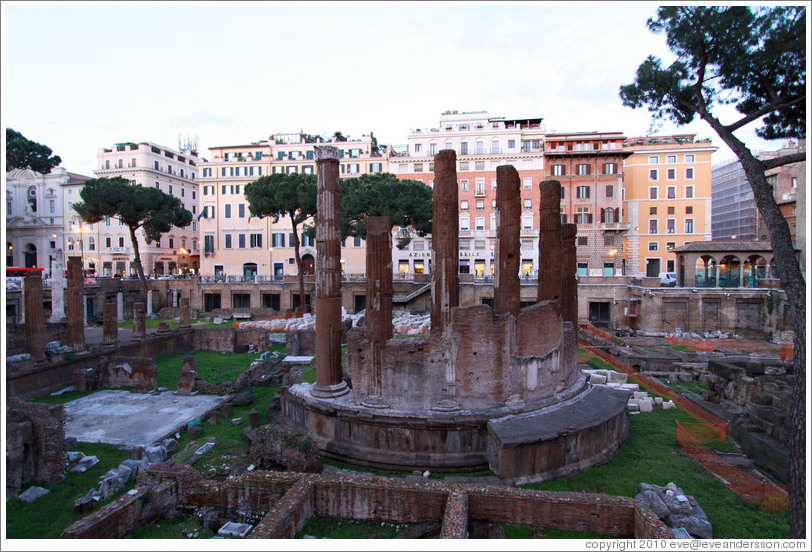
<point x="494" y="388"/>
<point x="110" y="323"/>
<point x="75" y="307"/>
<point x="329" y="382"/>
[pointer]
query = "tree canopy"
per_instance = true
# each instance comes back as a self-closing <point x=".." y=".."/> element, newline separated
<point x="150" y="209"/>
<point x="754" y="58"/>
<point x="22" y="153"/>
<point x="408" y="202"/>
<point x="285" y="195"/>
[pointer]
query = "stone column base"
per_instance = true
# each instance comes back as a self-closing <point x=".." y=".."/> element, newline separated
<point x="374" y="401"/>
<point x="330" y="391"/>
<point x="446" y="405"/>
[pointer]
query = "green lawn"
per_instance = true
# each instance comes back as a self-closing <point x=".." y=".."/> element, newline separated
<point x="212" y="366"/>
<point x="51" y="514"/>
<point x="653" y="455"/>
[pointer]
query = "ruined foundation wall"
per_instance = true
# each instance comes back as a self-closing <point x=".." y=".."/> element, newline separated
<point x="35" y="435"/>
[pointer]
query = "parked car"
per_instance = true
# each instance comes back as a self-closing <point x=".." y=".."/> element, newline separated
<point x="668" y="279"/>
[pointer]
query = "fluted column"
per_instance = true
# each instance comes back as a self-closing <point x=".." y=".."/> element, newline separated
<point x="329" y="382"/>
<point x="506" y="288"/>
<point x="444" y="241"/>
<point x="379" y="301"/>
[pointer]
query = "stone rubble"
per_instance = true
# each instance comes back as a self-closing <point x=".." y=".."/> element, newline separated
<point x="676" y="509"/>
<point x="403" y="322"/>
<point x="32" y="493"/>
<point x="639" y="401"/>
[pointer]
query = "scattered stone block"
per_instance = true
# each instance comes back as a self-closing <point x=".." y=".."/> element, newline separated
<point x="658" y="400"/>
<point x="244" y="398"/>
<point x="640" y="395"/>
<point x="253" y="418"/>
<point x="84" y="504"/>
<point x="298" y="360"/>
<point x="630" y="386"/>
<point x="667" y="405"/>
<point x="155" y="454"/>
<point x="195" y="431"/>
<point x="236" y="530"/>
<point x="228" y="410"/>
<point x="651" y="499"/>
<point x="597" y="379"/>
<point x="125" y="472"/>
<point x="170" y="445"/>
<point x="680" y="533"/>
<point x="214" y="418"/>
<point x="32" y="493"/>
<point x="646" y="405"/>
<point x="633" y="406"/>
<point x="205" y="448"/>
<point x="236" y="421"/>
<point x="617" y="377"/>
<point x="137" y="452"/>
<point x="84" y="464"/>
<point x="74" y="456"/>
<point x="134" y="465"/>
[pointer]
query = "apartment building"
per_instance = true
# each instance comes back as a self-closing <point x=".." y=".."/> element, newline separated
<point x="35" y="216"/>
<point x="237" y="244"/>
<point x="588" y="165"/>
<point x="106" y="247"/>
<point x="667" y="199"/>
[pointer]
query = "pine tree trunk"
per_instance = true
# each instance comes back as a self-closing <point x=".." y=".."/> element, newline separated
<point x="298" y="257"/>
<point x="138" y="268"/>
<point x="794" y="285"/>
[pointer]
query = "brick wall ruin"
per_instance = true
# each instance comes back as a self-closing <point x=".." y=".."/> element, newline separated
<point x="35" y="436"/>
<point x="288" y="500"/>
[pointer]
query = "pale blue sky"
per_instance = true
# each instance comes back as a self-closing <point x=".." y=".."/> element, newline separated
<point x="81" y="77"/>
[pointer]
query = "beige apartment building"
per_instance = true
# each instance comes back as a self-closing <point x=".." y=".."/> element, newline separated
<point x="588" y="165"/>
<point x="105" y="247"/>
<point x="237" y="244"/>
<point x="667" y="199"/>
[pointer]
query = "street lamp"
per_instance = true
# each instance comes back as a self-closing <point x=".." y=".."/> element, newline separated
<point x="270" y="263"/>
<point x="81" y="230"/>
<point x="183" y="253"/>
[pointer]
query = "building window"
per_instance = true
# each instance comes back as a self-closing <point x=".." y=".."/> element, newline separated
<point x="108" y="242"/>
<point x="582" y="169"/>
<point x="208" y="244"/>
<point x="583" y="240"/>
<point x="689" y="210"/>
<point x="495" y="146"/>
<point x="480" y="147"/>
<point x="610" y="190"/>
<point x="227" y="241"/>
<point x="527" y="222"/>
<point x="278" y="239"/>
<point x="528" y="204"/>
<point x="608" y="239"/>
<point x="671" y="192"/>
<point x="670" y="210"/>
<point x="463" y="185"/>
<point x="670" y="226"/>
<point x="256" y="240"/>
<point x="653" y="174"/>
<point x="241" y="210"/>
<point x="417" y="148"/>
<point x="794" y="181"/>
<point x="527" y="183"/>
<point x="610" y="168"/>
<point x="669" y="246"/>
<point x="671" y="174"/>
<point x="652" y="192"/>
<point x="479" y="184"/>
<point x="583" y="216"/>
<point x="582" y="192"/>
<point x="493" y="183"/>
<point x="511" y="144"/>
<point x="558" y="170"/>
<point x="689" y="226"/>
<point x="241" y="241"/>
<point x="670" y="158"/>
<point x="121" y="241"/>
<point x="227" y="208"/>
<point x="563" y="192"/>
<point x="689" y="192"/>
<point x="463" y="148"/>
<point x="433" y="148"/>
<point x="480" y="204"/>
<point x="171" y="243"/>
<point x="463" y="205"/>
<point x="583" y="268"/>
<point x="652" y="246"/>
<point x="689" y="173"/>
<point x="479" y="244"/>
<point x="689" y="157"/>
<point x="653" y="160"/>
<point x="356" y="241"/>
<point x="464" y="223"/>
<point x="480" y="223"/>
<point x="652" y="226"/>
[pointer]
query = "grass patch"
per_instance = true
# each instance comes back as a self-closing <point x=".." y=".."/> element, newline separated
<point x="212" y="366"/>
<point x="63" y="398"/>
<point x="653" y="455"/>
<point x="175" y="528"/>
<point x="696" y="386"/>
<point x="337" y="528"/>
<point x="48" y="516"/>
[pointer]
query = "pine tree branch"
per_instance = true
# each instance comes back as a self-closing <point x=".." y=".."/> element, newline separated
<point x="783" y="160"/>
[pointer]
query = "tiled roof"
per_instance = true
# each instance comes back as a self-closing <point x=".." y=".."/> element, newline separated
<point x="729" y="245"/>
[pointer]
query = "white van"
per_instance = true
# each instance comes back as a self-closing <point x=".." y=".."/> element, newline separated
<point x="668" y="279"/>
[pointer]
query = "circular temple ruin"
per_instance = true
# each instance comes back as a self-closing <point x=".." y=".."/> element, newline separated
<point x="494" y="388"/>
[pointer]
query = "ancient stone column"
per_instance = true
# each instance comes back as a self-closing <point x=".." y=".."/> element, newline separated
<point x="175" y="298"/>
<point x="183" y="322"/>
<point x="569" y="267"/>
<point x="149" y="302"/>
<point x="549" y="288"/>
<point x="120" y="306"/>
<point x="110" y="323"/>
<point x="506" y="287"/>
<point x="58" y="288"/>
<point x="379" y="301"/>
<point x="329" y="382"/>
<point x="75" y="304"/>
<point x="34" y="317"/>
<point x="139" y="321"/>
<point x="444" y="241"/>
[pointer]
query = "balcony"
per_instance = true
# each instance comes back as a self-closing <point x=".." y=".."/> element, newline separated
<point x="619" y="226"/>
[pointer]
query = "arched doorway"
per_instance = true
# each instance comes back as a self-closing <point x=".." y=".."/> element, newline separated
<point x="249" y="269"/>
<point x="308" y="264"/>
<point x="730" y="272"/>
<point x="705" y="274"/>
<point x="30" y="255"/>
